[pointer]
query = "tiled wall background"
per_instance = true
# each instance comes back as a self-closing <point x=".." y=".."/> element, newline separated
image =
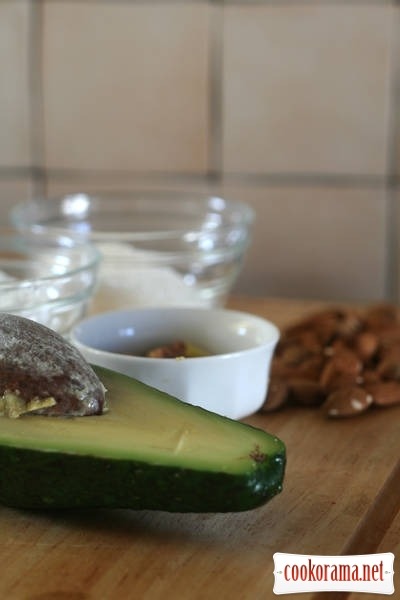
<point x="292" y="106"/>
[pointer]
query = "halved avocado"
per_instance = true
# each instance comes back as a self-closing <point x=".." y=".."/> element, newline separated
<point x="149" y="451"/>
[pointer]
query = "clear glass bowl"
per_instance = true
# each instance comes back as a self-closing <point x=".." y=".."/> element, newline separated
<point x="158" y="248"/>
<point x="47" y="278"/>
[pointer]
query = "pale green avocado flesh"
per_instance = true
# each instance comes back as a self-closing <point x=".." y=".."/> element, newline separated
<point x="149" y="451"/>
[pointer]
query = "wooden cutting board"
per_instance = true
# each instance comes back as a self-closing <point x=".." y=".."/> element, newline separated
<point x="341" y="496"/>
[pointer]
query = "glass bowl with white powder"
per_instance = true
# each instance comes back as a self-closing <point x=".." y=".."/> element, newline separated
<point x="158" y="248"/>
<point x="47" y="278"/>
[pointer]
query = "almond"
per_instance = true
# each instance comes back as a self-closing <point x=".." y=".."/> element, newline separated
<point x="370" y="376"/>
<point x="335" y="347"/>
<point x="389" y="368"/>
<point x="342" y="363"/>
<point x="311" y="322"/>
<point x="294" y="354"/>
<point x="308" y="369"/>
<point x="310" y="341"/>
<point x="340" y="355"/>
<point x="305" y="391"/>
<point x="347" y="402"/>
<point x="366" y="345"/>
<point x="380" y="316"/>
<point x="386" y="393"/>
<point x="347" y="361"/>
<point x="390" y="336"/>
<point x="349" y="324"/>
<point x="391" y="350"/>
<point x="338" y="380"/>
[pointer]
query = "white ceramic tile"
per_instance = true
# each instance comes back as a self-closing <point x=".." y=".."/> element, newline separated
<point x="315" y="242"/>
<point x="306" y="88"/>
<point x="395" y="246"/>
<point x="125" y="86"/>
<point x="14" y="84"/>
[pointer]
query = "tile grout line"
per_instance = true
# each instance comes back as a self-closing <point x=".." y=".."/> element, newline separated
<point x="215" y="59"/>
<point x="36" y="110"/>
<point x="246" y="179"/>
<point x="391" y="280"/>
<point x="393" y="128"/>
<point x="308" y="3"/>
<point x="235" y="2"/>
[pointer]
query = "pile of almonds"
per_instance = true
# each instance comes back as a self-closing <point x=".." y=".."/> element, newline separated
<point x="344" y="361"/>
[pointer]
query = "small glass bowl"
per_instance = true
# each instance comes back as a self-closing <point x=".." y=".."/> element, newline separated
<point x="158" y="248"/>
<point x="49" y="279"/>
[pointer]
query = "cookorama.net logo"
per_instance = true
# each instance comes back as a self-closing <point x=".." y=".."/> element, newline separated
<point x="370" y="573"/>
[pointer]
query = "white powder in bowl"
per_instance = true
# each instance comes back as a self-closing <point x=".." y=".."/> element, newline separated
<point x="128" y="278"/>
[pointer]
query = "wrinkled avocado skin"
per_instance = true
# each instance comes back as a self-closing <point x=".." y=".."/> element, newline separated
<point x="36" y="480"/>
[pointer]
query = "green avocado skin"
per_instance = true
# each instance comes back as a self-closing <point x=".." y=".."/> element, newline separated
<point x="32" y="479"/>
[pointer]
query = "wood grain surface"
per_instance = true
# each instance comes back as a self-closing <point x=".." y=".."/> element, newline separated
<point x="341" y="495"/>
